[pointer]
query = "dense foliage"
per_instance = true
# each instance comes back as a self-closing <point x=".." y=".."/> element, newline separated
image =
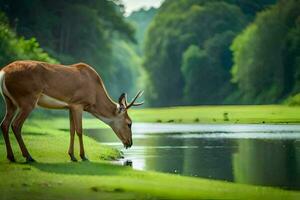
<point x="127" y="74"/>
<point x="93" y="31"/>
<point x="71" y="30"/>
<point x="267" y="55"/>
<point x="187" y="52"/>
<point x="140" y="20"/>
<point x="13" y="47"/>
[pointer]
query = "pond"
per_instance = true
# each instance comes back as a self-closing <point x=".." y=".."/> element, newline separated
<point x="250" y="154"/>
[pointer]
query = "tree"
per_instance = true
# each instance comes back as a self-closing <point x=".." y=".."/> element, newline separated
<point x="127" y="75"/>
<point x="79" y="31"/>
<point x="206" y="70"/>
<point x="13" y="48"/>
<point x="140" y="20"/>
<point x="266" y="54"/>
<point x="177" y="26"/>
<point x="71" y="30"/>
<point x="195" y="69"/>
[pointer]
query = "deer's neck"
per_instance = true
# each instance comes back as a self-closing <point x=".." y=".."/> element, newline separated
<point x="105" y="108"/>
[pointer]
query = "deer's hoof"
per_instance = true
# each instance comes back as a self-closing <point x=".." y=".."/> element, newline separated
<point x="73" y="159"/>
<point x="83" y="158"/>
<point x="11" y="159"/>
<point x="30" y="160"/>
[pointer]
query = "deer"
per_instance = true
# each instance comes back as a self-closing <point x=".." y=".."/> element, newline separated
<point x="78" y="88"/>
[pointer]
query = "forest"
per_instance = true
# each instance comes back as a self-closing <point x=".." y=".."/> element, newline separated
<point x="221" y="81"/>
<point x="187" y="52"/>
<point x="223" y="52"/>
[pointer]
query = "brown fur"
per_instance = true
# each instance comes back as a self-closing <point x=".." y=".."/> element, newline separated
<point x="78" y="86"/>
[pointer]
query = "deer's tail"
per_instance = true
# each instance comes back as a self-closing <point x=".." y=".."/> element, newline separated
<point x="2" y="73"/>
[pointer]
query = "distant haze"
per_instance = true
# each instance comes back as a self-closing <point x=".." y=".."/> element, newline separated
<point x="133" y="5"/>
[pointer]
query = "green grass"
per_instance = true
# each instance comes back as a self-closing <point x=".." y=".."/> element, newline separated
<point x="216" y="114"/>
<point x="196" y="114"/>
<point x="55" y="177"/>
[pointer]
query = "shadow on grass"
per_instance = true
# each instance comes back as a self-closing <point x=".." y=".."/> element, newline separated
<point x="81" y="168"/>
<point x="34" y="133"/>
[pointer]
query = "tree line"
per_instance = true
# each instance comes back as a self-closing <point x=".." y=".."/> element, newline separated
<point x="187" y="52"/>
<point x="266" y="55"/>
<point x="223" y="52"/>
<point x="71" y="31"/>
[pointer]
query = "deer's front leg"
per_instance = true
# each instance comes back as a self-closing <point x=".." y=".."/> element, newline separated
<point x="72" y="134"/>
<point x="77" y="118"/>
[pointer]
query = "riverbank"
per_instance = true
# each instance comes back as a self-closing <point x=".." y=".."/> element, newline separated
<point x="258" y="114"/>
<point x="55" y="177"/>
<point x="246" y="114"/>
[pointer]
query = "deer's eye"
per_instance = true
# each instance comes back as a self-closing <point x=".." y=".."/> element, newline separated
<point x="129" y="125"/>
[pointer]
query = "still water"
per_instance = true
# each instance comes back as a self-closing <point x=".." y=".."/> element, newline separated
<point x="251" y="154"/>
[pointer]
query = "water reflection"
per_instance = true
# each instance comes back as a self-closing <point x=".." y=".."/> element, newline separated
<point x="270" y="161"/>
<point x="212" y="158"/>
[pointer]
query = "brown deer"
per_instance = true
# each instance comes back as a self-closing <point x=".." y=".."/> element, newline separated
<point x="78" y="88"/>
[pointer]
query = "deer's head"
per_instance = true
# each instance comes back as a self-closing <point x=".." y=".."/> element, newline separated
<point x="121" y="124"/>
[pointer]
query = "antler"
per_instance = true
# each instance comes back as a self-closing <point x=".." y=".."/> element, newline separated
<point x="132" y="103"/>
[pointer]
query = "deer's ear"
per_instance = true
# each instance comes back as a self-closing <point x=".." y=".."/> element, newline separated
<point x="122" y="102"/>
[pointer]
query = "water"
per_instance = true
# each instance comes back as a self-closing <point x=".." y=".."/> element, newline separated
<point x="251" y="154"/>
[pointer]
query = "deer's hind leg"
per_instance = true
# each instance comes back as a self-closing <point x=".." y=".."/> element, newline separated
<point x="25" y="108"/>
<point x="10" y="113"/>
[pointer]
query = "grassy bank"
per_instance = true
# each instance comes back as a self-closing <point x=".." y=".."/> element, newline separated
<point x="54" y="177"/>
<point x="197" y="114"/>
<point x="258" y="114"/>
<point x="220" y="114"/>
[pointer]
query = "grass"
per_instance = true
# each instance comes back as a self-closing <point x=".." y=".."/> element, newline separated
<point x="55" y="177"/>
<point x="270" y="114"/>
<point x="220" y="114"/>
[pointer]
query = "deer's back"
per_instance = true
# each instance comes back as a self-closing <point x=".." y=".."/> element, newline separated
<point x="58" y="81"/>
